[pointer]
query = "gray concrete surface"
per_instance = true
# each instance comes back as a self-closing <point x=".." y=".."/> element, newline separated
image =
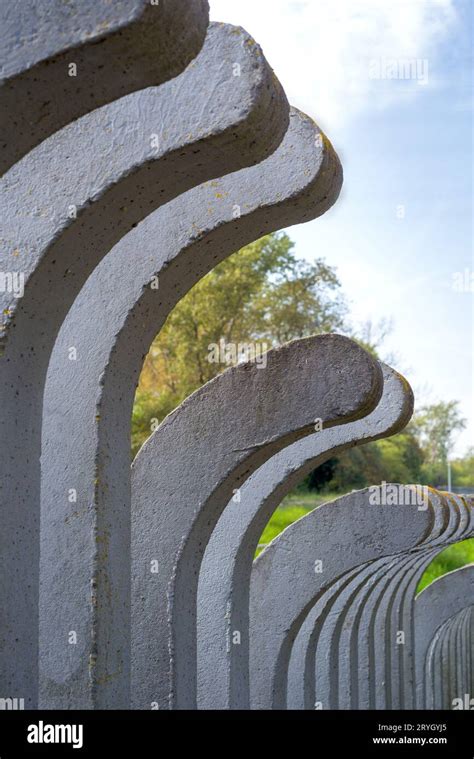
<point x="225" y="574"/>
<point x="343" y="534"/>
<point x="86" y="445"/>
<point x="106" y="167"/>
<point x="185" y="474"/>
<point x="444" y="598"/>
<point x="116" y="48"/>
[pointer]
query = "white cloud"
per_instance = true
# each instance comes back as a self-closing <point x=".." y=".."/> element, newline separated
<point x="322" y="50"/>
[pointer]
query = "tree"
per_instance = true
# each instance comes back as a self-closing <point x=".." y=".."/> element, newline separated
<point x="463" y="470"/>
<point x="435" y="426"/>
<point x="372" y="337"/>
<point x="395" y="459"/>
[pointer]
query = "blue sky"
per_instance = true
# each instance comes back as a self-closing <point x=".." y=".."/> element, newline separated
<point x="402" y="227"/>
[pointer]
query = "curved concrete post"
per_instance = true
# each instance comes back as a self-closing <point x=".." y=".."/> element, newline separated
<point x="462" y="681"/>
<point x="448" y="675"/>
<point x="283" y="585"/>
<point x="301" y="693"/>
<point x="389" y="641"/>
<point x="114" y="48"/>
<point x="438" y="602"/>
<point x="336" y="686"/>
<point x="388" y="673"/>
<point x="436" y="667"/>
<point x="367" y="640"/>
<point x="147" y="147"/>
<point x="383" y="638"/>
<point x="360" y="647"/>
<point x="460" y="527"/>
<point x="456" y="683"/>
<point x="126" y="159"/>
<point x="304" y="561"/>
<point x="365" y="659"/>
<point x="462" y="648"/>
<point x="378" y="668"/>
<point x="357" y="651"/>
<point x="225" y="574"/>
<point x="184" y="475"/>
<point x="90" y="454"/>
<point x="401" y="598"/>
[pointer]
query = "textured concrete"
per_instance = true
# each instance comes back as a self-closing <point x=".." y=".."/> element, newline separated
<point x="374" y="671"/>
<point x="337" y="682"/>
<point x="107" y="221"/>
<point x="117" y="47"/>
<point x="363" y="643"/>
<point x="382" y="675"/>
<point x="108" y="168"/>
<point x="460" y="527"/>
<point x="186" y="472"/>
<point x="225" y="573"/>
<point x="449" y="664"/>
<point x="444" y="598"/>
<point x="303" y="677"/>
<point x="86" y="445"/>
<point x="388" y="611"/>
<point x="343" y="535"/>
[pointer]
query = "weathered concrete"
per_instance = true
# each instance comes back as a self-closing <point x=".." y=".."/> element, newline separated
<point x="356" y="631"/>
<point x="460" y="527"/>
<point x="446" y="659"/>
<point x="367" y="650"/>
<point x="388" y="673"/>
<point x="225" y="574"/>
<point x="177" y="244"/>
<point x="78" y="205"/>
<point x="399" y="600"/>
<point x="448" y="665"/>
<point x="117" y="48"/>
<point x="343" y="535"/>
<point x="208" y="122"/>
<point x="374" y="670"/>
<point x="336" y="652"/>
<point x="387" y="614"/>
<point x="438" y="602"/>
<point x="379" y="671"/>
<point x="217" y="438"/>
<point x="301" y="677"/>
<point x="346" y="678"/>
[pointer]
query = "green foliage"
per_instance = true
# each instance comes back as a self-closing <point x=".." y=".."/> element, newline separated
<point x="435" y="427"/>
<point x="295" y="303"/>
<point x="148" y="410"/>
<point x="357" y="468"/>
<point x="396" y="459"/>
<point x="463" y="470"/>
<point x="413" y="456"/>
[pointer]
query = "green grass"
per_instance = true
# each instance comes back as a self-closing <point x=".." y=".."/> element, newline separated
<point x="451" y="558"/>
<point x="291" y="508"/>
<point x="296" y="505"/>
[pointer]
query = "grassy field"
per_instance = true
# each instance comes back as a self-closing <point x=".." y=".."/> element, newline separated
<point x="298" y="504"/>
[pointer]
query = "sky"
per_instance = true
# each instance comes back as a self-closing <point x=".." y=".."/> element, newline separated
<point x="390" y="83"/>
